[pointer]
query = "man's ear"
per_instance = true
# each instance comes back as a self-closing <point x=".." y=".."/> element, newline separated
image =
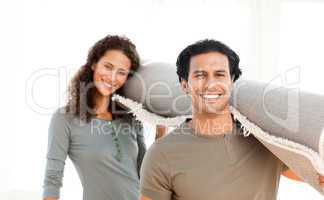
<point x="185" y="86"/>
<point x="232" y="84"/>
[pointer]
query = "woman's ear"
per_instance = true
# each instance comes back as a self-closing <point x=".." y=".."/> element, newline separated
<point x="93" y="67"/>
<point x="184" y="86"/>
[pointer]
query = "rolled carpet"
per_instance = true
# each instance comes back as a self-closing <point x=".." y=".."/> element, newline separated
<point x="289" y="122"/>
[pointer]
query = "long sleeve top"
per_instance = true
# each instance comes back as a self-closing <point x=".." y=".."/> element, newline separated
<point x="104" y="153"/>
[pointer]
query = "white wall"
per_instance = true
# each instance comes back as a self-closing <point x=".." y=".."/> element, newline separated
<point x="54" y="37"/>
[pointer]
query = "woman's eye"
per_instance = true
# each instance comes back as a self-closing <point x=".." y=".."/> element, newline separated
<point x="122" y="73"/>
<point x="108" y="67"/>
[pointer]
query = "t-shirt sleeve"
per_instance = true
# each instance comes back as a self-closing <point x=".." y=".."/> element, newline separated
<point x="57" y="150"/>
<point x="155" y="175"/>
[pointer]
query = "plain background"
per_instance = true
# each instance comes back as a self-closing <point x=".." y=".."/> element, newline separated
<point x="43" y="42"/>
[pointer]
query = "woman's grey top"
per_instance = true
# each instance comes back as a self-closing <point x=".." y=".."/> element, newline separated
<point x="92" y="147"/>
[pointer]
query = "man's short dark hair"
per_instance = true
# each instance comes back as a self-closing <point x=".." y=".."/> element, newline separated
<point x="207" y="46"/>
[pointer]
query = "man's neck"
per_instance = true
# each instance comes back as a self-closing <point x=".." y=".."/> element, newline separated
<point x="211" y="123"/>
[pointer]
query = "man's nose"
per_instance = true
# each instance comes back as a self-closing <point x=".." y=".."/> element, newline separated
<point x="213" y="83"/>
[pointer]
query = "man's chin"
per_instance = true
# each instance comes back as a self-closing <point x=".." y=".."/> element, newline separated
<point x="217" y="110"/>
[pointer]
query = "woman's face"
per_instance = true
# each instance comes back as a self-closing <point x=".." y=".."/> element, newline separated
<point x="111" y="71"/>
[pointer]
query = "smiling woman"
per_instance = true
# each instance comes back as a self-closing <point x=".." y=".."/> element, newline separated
<point x="109" y="63"/>
<point x="104" y="142"/>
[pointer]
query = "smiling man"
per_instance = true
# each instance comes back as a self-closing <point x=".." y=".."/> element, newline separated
<point x="207" y="157"/>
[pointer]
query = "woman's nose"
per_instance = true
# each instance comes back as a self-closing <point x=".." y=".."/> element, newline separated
<point x="112" y="76"/>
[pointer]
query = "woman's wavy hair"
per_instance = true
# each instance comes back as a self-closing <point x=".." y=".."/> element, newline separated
<point x="81" y="90"/>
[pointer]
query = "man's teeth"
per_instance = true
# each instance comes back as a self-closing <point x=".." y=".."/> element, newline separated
<point x="211" y="96"/>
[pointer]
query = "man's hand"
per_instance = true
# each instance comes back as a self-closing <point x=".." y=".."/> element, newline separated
<point x="321" y="180"/>
<point x="50" y="198"/>
<point x="144" y="198"/>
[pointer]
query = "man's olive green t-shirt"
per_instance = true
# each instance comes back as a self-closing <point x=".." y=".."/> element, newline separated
<point x="187" y="166"/>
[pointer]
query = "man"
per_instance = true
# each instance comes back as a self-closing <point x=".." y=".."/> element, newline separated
<point x="207" y="158"/>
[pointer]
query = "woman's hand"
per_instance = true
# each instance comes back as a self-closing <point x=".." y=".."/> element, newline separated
<point x="161" y="130"/>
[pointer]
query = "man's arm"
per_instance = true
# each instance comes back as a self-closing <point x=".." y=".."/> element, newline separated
<point x="155" y="174"/>
<point x="144" y="198"/>
<point x="291" y="175"/>
<point x="50" y="198"/>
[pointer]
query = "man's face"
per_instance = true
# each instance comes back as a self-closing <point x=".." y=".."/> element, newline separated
<point x="209" y="83"/>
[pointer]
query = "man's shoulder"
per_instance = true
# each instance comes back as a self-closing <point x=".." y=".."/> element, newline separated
<point x="177" y="135"/>
<point x="172" y="141"/>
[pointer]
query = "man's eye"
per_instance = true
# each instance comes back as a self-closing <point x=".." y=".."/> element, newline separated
<point x="199" y="76"/>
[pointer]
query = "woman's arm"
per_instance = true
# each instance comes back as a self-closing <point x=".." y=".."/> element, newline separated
<point x="57" y="150"/>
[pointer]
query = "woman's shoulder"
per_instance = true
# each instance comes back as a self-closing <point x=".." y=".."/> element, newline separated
<point x="61" y="115"/>
<point x="130" y="118"/>
<point x="132" y="121"/>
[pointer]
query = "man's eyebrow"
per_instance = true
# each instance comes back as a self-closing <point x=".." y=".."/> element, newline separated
<point x="220" y="71"/>
<point x="199" y="71"/>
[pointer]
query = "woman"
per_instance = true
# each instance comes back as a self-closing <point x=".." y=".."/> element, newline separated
<point x="105" y="144"/>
